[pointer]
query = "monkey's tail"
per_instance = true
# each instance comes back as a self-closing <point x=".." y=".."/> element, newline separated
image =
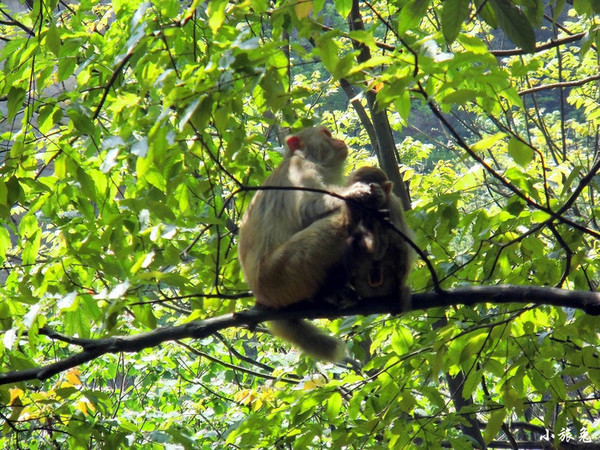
<point x="310" y="339"/>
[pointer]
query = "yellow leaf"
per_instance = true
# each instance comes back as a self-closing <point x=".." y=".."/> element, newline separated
<point x="15" y="395"/>
<point x="316" y="382"/>
<point x="82" y="406"/>
<point x="73" y="378"/>
<point x="303" y="8"/>
<point x="257" y="404"/>
<point x="309" y="385"/>
<point x="245" y="397"/>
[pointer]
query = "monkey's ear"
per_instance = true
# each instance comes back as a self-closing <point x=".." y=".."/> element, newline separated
<point x="294" y="143"/>
<point x="387" y="187"/>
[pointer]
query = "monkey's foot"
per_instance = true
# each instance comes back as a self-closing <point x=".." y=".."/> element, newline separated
<point x="343" y="298"/>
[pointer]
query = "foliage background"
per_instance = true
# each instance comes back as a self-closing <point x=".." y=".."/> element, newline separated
<point x="129" y="132"/>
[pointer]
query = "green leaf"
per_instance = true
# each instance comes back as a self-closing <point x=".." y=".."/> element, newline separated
<point x="343" y="7"/>
<point x="32" y="247"/>
<point x="587" y="7"/>
<point x="520" y="152"/>
<point x="515" y="24"/>
<point x="557" y="9"/>
<point x="49" y="116"/>
<point x="487" y="143"/>
<point x="328" y="49"/>
<point x="318" y="6"/>
<point x="454" y="13"/>
<point x="494" y="424"/>
<point x="532" y="248"/>
<point x="145" y="315"/>
<point x="333" y="406"/>
<point x="77" y="322"/>
<point x="16" y="96"/>
<point x="81" y="120"/>
<point x="53" y="39"/>
<point x="401" y="340"/>
<point x="5" y="243"/>
<point x="473" y="345"/>
<point x="87" y="184"/>
<point x="486" y="12"/>
<point x="411" y="14"/>
<point x="15" y="191"/>
<point x="3" y="193"/>
<point x="460" y="96"/>
<point x="344" y="65"/>
<point x="402" y="104"/>
<point x="471" y="382"/>
<point x="363" y="36"/>
<point x="216" y="14"/>
<point x="66" y="67"/>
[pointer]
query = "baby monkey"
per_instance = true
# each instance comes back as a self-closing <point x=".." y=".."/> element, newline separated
<point x="379" y="258"/>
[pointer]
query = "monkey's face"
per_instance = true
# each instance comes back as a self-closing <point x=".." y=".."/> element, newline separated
<point x="340" y="149"/>
<point x="319" y="146"/>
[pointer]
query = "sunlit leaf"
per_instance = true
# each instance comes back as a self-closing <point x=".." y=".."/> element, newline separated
<point x="328" y="50"/>
<point x="53" y="39"/>
<point x="16" y="96"/>
<point x="520" y="152"/>
<point x="473" y="345"/>
<point x="488" y="142"/>
<point x="401" y="340"/>
<point x="334" y="405"/>
<point x="343" y="7"/>
<point x="216" y="14"/>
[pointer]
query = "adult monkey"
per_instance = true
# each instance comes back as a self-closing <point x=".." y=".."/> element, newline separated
<point x="292" y="240"/>
<point x="379" y="258"/>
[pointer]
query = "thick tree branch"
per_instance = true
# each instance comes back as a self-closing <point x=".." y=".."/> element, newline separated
<point x="359" y="108"/>
<point x="588" y="302"/>
<point x="384" y="145"/>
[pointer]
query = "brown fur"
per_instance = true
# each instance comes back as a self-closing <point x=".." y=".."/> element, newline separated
<point x="379" y="258"/>
<point x="290" y="240"/>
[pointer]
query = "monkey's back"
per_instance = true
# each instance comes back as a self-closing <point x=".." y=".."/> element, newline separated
<point x="273" y="216"/>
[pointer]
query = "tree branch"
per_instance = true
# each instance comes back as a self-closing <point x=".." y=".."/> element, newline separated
<point x="13" y="22"/>
<point x="384" y="145"/>
<point x="538" y="48"/>
<point x="564" y="84"/>
<point x="589" y="302"/>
